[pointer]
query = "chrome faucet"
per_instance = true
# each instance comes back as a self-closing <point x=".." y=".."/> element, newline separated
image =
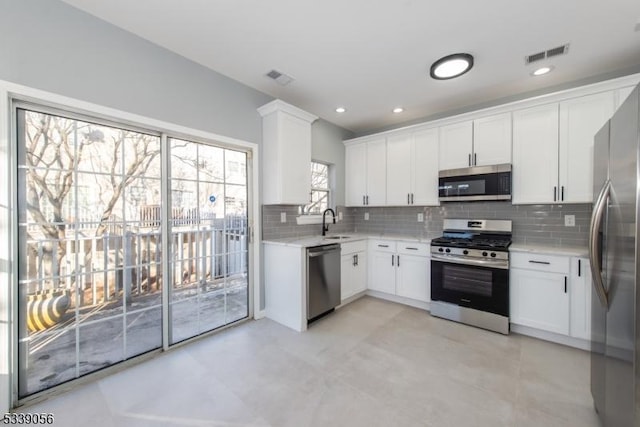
<point x="325" y="227"/>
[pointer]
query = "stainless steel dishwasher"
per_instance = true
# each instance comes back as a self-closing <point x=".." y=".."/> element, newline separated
<point x="323" y="280"/>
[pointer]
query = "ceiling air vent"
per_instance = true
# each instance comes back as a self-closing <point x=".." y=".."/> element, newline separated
<point x="280" y="78"/>
<point x="560" y="50"/>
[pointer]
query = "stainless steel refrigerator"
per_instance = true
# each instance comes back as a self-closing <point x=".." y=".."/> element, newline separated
<point x="614" y="257"/>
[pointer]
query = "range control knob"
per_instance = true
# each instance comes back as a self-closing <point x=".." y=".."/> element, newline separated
<point x="447" y="250"/>
<point x="484" y="254"/>
<point x="493" y="254"/>
<point x="440" y="250"/>
<point x="465" y="252"/>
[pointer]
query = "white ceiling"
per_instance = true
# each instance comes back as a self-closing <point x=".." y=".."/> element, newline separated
<point x="373" y="55"/>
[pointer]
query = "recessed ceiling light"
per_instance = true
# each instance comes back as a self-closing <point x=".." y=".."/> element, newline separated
<point x="398" y="110"/>
<point x="541" y="71"/>
<point x="451" y="66"/>
<point x="340" y="110"/>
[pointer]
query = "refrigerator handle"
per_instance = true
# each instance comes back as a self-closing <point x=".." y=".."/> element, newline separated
<point x="599" y="208"/>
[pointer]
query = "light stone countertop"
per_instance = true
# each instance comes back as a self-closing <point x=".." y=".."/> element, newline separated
<point x="576" y="251"/>
<point x="309" y="241"/>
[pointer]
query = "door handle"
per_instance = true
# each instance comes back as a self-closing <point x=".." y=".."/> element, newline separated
<point x="594" y="257"/>
<point x="579" y="268"/>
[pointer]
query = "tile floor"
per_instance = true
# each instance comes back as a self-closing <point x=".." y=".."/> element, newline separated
<point x="371" y="363"/>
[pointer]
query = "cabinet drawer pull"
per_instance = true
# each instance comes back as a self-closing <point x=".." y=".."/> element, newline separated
<point x="539" y="262"/>
<point x="411" y="248"/>
<point x="383" y="246"/>
<point x="579" y="268"/>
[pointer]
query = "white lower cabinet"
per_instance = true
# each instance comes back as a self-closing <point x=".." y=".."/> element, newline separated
<point x="353" y="268"/>
<point x="382" y="273"/>
<point x="540" y="300"/>
<point x="551" y="293"/>
<point x="580" y="292"/>
<point x="400" y="268"/>
<point x="413" y="273"/>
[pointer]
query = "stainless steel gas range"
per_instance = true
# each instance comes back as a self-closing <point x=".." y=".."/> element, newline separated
<point x="470" y="273"/>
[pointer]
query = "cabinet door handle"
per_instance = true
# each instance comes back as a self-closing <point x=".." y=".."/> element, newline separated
<point x="475" y="159"/>
<point x="393" y="260"/>
<point x="411" y="198"/>
<point x="353" y="260"/>
<point x="367" y="200"/>
<point x="565" y="284"/>
<point x="398" y="261"/>
<point x="539" y="262"/>
<point x="562" y="193"/>
<point x="469" y="159"/>
<point x="579" y="268"/>
<point x="408" y="199"/>
<point x="363" y="200"/>
<point x="555" y="190"/>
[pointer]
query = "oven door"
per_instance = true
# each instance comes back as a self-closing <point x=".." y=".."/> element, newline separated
<point x="477" y="287"/>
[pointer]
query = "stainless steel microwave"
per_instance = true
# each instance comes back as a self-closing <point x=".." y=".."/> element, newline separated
<point x="475" y="183"/>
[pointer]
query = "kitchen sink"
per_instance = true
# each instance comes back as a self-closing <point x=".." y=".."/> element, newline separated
<point x="336" y="237"/>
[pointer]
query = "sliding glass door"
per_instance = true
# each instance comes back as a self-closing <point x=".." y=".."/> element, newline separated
<point x="208" y="223"/>
<point x="91" y="211"/>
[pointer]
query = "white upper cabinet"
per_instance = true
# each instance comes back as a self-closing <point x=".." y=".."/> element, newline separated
<point x="535" y="154"/>
<point x="492" y="140"/>
<point x="553" y="149"/>
<point x="424" y="168"/>
<point x="412" y="168"/>
<point x="356" y="180"/>
<point x="580" y="119"/>
<point x="366" y="165"/>
<point x="399" y="149"/>
<point x="479" y="142"/>
<point x="620" y="95"/>
<point x="376" y="172"/>
<point x="286" y="139"/>
<point x="456" y="145"/>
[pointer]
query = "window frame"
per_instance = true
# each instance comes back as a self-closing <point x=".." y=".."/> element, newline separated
<point x="306" y="217"/>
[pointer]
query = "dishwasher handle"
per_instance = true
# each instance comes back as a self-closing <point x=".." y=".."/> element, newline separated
<point x="322" y="250"/>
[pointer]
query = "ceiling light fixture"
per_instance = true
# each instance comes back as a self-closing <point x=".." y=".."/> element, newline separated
<point x="542" y="71"/>
<point x="340" y="110"/>
<point x="451" y="66"/>
<point x="398" y="110"/>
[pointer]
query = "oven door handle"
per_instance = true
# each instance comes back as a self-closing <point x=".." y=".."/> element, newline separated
<point x="502" y="265"/>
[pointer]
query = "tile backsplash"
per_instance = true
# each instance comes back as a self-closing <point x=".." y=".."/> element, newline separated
<point x="534" y="224"/>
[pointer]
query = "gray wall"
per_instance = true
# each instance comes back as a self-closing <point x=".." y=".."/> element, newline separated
<point x="49" y="45"/>
<point x="532" y="224"/>
<point x="327" y="147"/>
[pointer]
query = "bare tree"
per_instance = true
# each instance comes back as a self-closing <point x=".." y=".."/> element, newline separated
<point x="55" y="148"/>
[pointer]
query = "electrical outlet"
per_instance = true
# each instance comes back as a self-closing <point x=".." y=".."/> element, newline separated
<point x="420" y="217"/>
<point x="283" y="217"/>
<point x="339" y="216"/>
<point x="569" y="220"/>
<point x="366" y="216"/>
